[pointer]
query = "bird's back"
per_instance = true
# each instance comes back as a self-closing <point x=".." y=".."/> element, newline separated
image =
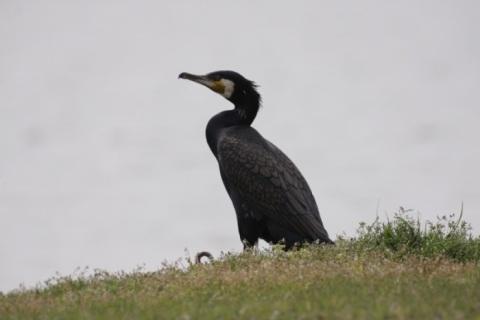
<point x="265" y="185"/>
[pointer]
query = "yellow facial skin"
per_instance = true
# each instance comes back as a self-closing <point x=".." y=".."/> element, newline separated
<point x="218" y="86"/>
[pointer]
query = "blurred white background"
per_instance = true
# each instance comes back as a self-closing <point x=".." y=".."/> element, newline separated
<point x="103" y="157"/>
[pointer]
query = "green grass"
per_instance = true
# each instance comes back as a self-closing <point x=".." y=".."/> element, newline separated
<point x="397" y="269"/>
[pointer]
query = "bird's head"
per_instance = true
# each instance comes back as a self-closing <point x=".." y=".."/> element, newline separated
<point x="231" y="85"/>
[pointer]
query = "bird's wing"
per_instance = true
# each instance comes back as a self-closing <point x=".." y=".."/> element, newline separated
<point x="269" y="181"/>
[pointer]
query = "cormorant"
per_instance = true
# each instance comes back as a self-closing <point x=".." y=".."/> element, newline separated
<point x="271" y="198"/>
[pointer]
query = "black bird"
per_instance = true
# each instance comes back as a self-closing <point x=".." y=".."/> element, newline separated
<point x="271" y="198"/>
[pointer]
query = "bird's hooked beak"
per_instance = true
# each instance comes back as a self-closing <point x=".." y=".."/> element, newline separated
<point x="216" y="85"/>
<point x="195" y="78"/>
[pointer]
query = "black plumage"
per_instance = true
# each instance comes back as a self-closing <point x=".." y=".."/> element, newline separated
<point x="271" y="198"/>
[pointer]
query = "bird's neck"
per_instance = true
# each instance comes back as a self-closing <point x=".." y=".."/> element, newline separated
<point x="247" y="111"/>
<point x="240" y="116"/>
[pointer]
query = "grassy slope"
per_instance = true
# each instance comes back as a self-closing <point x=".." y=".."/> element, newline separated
<point x="391" y="270"/>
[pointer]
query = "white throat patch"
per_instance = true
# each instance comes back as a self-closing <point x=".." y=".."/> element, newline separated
<point x="229" y="88"/>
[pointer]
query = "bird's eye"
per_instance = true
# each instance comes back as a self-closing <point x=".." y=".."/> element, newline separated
<point x="216" y="77"/>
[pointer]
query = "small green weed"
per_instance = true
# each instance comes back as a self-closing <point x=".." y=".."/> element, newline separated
<point x="449" y="236"/>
